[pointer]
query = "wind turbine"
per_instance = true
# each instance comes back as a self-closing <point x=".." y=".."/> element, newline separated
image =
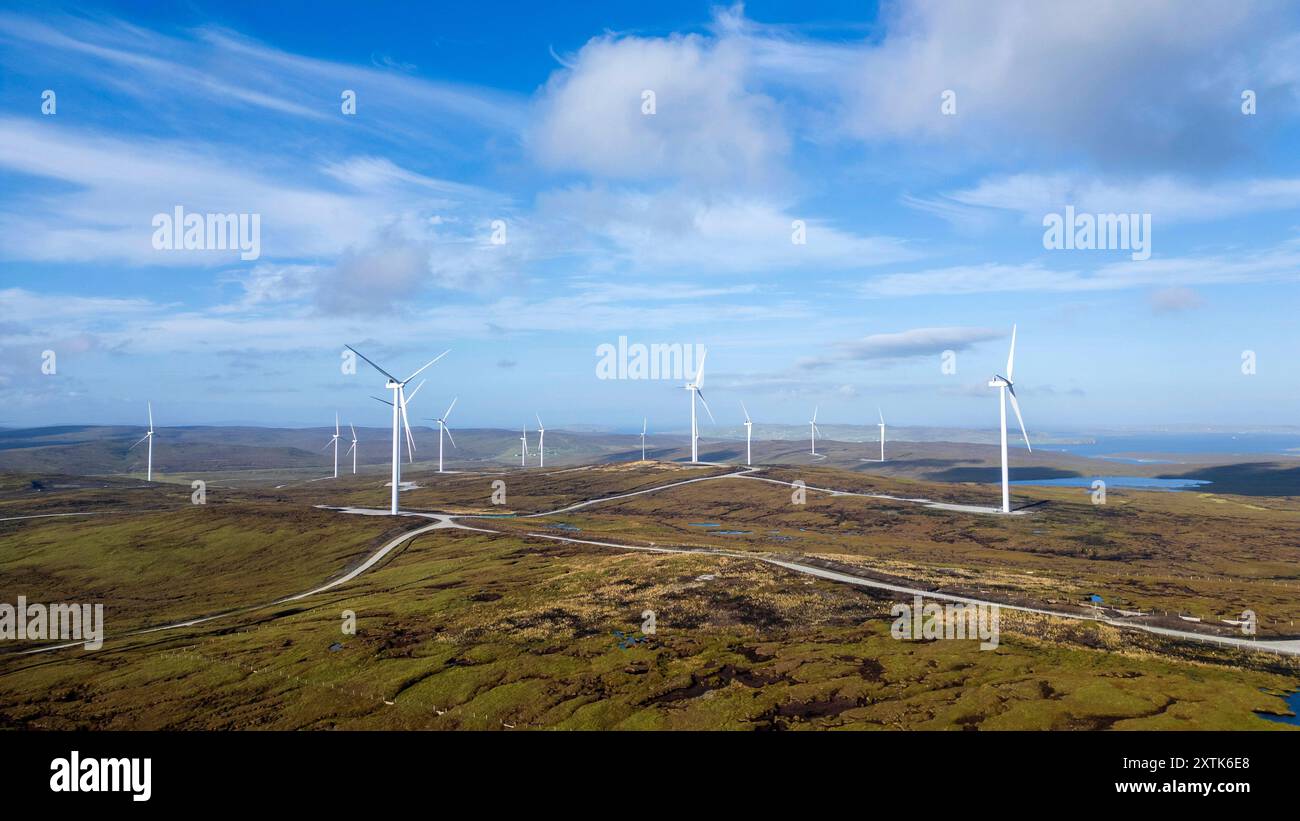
<point x="148" y="436"/>
<point x="541" y="443"/>
<point x="523" y="453"/>
<point x="694" y="387"/>
<point x="1005" y="386"/>
<point x="400" y="400"/>
<point x="334" y="440"/>
<point x="644" y="421"/>
<point x="353" y="449"/>
<point x="882" y="433"/>
<point x="813" y="430"/>
<point x="749" y="429"/>
<point x="442" y="428"/>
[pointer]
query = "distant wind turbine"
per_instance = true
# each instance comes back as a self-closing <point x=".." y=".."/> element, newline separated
<point x="353" y="449"/>
<point x="541" y="442"/>
<point x="523" y="452"/>
<point x="442" y="428"/>
<point x="1006" y="387"/>
<point x="694" y="387"/>
<point x="644" y="421"/>
<point x="882" y="433"/>
<point x="149" y="437"/>
<point x="749" y="429"/>
<point x="813" y="430"/>
<point x="334" y="440"/>
<point x="399" y="403"/>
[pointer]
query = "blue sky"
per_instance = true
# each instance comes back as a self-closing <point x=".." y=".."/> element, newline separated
<point x="924" y="229"/>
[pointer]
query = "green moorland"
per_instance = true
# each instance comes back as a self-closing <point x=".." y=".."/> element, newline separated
<point x="472" y="630"/>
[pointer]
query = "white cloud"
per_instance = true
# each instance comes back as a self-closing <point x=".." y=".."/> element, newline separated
<point x="888" y="348"/>
<point x="228" y="71"/>
<point x="1123" y="82"/>
<point x="676" y="230"/>
<point x="1167" y="198"/>
<point x="708" y="123"/>
<point x="1280" y="263"/>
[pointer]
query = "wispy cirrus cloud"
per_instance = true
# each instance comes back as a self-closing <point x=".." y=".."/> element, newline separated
<point x="1170" y="199"/>
<point x="1277" y="263"/>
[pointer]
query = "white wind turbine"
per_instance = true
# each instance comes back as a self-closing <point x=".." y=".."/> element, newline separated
<point x="148" y="436"/>
<point x="334" y="440"/>
<point x="353" y="449"/>
<point x="813" y="430"/>
<point x="882" y="433"/>
<point x="523" y="451"/>
<point x="1005" y="386"/>
<point x="694" y="387"/>
<point x="442" y="428"/>
<point x="644" y="421"/>
<point x="541" y="442"/>
<point x="749" y="429"/>
<point x="399" y="403"/>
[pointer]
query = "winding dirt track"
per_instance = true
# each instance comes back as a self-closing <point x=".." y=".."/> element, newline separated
<point x="449" y="521"/>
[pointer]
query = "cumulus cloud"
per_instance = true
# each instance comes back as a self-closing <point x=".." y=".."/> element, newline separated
<point x="708" y="122"/>
<point x="1151" y="83"/>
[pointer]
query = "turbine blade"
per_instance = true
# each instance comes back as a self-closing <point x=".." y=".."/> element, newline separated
<point x="372" y="364"/>
<point x="409" y="399"/>
<point x="449" y="436"/>
<point x="449" y="407"/>
<point x="699" y="371"/>
<point x="406" y="423"/>
<point x="354" y="432"/>
<point x="336" y="424"/>
<point x="746" y="411"/>
<point x="540" y="426"/>
<point x="142" y="438"/>
<point x="1016" y="407"/>
<point x="351" y="448"/>
<point x="882" y="415"/>
<point x="151" y="417"/>
<point x="700" y="394"/>
<point x="644" y="422"/>
<point x="385" y="401"/>
<point x="426" y="364"/>
<point x="1011" y="355"/>
<point x="815" y="409"/>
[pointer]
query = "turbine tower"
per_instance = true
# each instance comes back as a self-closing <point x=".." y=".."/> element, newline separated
<point x="749" y="429"/>
<point x="882" y="433"/>
<point x="523" y="452"/>
<point x="400" y="400"/>
<point x="644" y="420"/>
<point x="813" y="430"/>
<point x="1006" y="387"/>
<point x="334" y="440"/>
<point x="442" y="428"/>
<point x="149" y="437"/>
<point x="541" y="442"/>
<point x="694" y="387"/>
<point x="353" y="449"/>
